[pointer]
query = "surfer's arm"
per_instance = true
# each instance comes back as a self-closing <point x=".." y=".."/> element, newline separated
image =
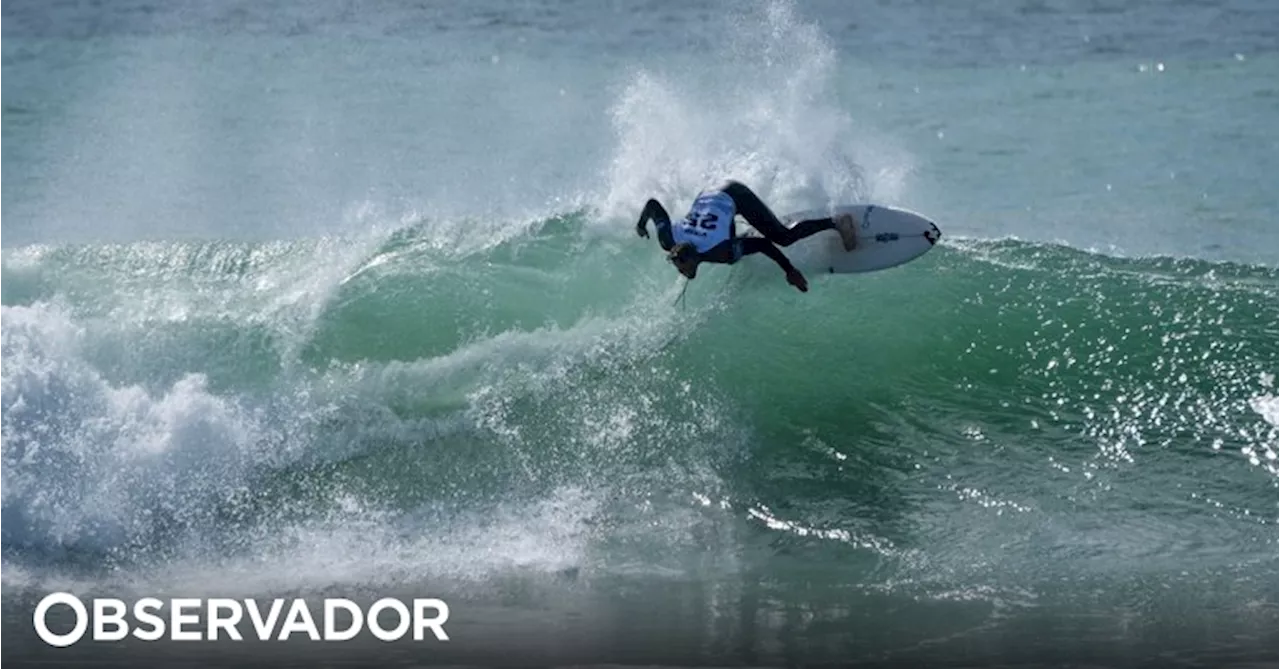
<point x="653" y="210"/>
<point x="749" y="245"/>
<point x="760" y="245"/>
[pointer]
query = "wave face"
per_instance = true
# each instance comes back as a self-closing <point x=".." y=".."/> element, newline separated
<point x="164" y="398"/>
<point x="299" y="299"/>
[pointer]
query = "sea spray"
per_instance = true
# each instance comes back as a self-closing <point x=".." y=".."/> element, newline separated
<point x="765" y="110"/>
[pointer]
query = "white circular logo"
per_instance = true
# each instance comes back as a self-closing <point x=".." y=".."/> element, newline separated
<point x="61" y="640"/>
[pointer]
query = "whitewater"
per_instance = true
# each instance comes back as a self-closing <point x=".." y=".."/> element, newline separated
<point x="309" y="300"/>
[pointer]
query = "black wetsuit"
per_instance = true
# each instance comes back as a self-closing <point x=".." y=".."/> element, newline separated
<point x="757" y="214"/>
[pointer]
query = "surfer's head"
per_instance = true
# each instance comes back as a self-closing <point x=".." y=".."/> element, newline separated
<point x="685" y="257"/>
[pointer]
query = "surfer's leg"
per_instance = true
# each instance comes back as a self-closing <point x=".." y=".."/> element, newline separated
<point x="758" y="215"/>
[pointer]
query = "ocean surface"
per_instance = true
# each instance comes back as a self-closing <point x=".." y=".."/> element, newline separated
<point x="344" y="299"/>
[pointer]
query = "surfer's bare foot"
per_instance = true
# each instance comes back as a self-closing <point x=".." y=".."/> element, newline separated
<point x="848" y="231"/>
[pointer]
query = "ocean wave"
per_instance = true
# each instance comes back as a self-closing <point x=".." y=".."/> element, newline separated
<point x="273" y="396"/>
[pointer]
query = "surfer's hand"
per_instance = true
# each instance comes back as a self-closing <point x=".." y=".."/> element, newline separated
<point x="642" y="229"/>
<point x="795" y="278"/>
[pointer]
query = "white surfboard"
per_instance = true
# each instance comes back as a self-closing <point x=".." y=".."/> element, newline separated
<point x="887" y="237"/>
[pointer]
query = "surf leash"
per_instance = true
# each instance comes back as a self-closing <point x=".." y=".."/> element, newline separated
<point x="680" y="297"/>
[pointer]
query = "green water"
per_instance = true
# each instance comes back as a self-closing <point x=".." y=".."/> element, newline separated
<point x="994" y="422"/>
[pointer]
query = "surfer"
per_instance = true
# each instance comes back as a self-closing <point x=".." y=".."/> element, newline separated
<point x="707" y="233"/>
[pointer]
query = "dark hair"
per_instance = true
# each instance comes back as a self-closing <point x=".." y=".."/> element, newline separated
<point x="682" y="252"/>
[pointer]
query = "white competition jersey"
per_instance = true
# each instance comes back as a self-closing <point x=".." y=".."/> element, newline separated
<point x="709" y="221"/>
